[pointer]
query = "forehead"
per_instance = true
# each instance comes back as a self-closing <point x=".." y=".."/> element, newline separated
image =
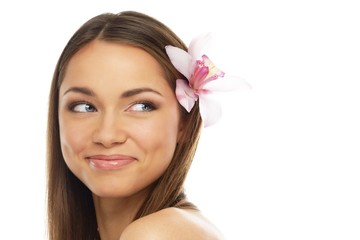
<point x="102" y="62"/>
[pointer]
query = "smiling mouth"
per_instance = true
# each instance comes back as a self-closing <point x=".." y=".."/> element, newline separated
<point x="110" y="162"/>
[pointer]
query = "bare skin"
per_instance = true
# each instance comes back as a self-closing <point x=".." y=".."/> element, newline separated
<point x="172" y="223"/>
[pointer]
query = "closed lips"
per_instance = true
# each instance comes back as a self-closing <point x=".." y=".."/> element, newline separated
<point x="110" y="162"/>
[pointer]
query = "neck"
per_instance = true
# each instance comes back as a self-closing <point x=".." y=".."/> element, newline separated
<point x="113" y="215"/>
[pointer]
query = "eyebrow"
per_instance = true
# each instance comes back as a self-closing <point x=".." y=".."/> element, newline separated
<point x="82" y="90"/>
<point x="136" y="91"/>
<point x="126" y="94"/>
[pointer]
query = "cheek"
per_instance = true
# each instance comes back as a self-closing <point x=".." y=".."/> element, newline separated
<point x="73" y="139"/>
<point x="159" y="138"/>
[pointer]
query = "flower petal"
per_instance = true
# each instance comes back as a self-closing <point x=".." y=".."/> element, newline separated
<point x="200" y="45"/>
<point x="231" y="83"/>
<point x="185" y="95"/>
<point x="181" y="60"/>
<point x="210" y="110"/>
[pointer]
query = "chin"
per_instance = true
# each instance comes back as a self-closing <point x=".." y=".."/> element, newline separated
<point x="109" y="191"/>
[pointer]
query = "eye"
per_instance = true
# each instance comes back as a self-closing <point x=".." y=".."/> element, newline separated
<point x="142" y="107"/>
<point x="82" y="107"/>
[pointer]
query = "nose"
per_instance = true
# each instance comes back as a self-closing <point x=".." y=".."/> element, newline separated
<point x="109" y="131"/>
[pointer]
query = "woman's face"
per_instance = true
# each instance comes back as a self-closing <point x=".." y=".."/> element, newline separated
<point x="119" y="119"/>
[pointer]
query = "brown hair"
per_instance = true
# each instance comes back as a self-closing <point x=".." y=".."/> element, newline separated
<point x="71" y="213"/>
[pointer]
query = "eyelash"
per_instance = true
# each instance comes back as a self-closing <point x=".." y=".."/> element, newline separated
<point x="147" y="104"/>
<point x="72" y="106"/>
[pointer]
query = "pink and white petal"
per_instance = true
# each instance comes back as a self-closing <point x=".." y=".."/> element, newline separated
<point x="227" y="83"/>
<point x="185" y="95"/>
<point x="200" y="45"/>
<point x="181" y="60"/>
<point x="210" y="110"/>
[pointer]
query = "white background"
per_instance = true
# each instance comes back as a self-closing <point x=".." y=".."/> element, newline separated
<point x="283" y="163"/>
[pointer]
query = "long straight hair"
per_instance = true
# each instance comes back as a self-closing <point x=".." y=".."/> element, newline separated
<point x="71" y="212"/>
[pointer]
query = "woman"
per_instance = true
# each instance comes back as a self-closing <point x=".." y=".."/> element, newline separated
<point x="119" y="143"/>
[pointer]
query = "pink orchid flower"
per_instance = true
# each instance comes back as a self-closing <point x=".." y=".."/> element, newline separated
<point x="200" y="75"/>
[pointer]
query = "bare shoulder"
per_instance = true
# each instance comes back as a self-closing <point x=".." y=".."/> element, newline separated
<point x="172" y="223"/>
